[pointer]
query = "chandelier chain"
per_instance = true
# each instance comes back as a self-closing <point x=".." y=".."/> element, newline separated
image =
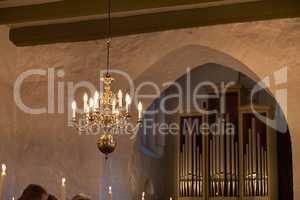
<point x="109" y="37"/>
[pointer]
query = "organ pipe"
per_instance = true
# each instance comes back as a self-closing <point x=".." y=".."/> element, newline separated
<point x="255" y="160"/>
<point x="191" y="159"/>
<point x="223" y="161"/>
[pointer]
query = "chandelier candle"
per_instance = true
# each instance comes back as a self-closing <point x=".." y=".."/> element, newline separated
<point x="140" y="110"/>
<point x="2" y="181"/>
<point x="85" y="102"/>
<point x="109" y="193"/>
<point x="128" y="102"/>
<point x="114" y="105"/>
<point x="91" y="104"/>
<point x="96" y="100"/>
<point x="74" y="109"/>
<point x="63" y="189"/>
<point x="120" y="98"/>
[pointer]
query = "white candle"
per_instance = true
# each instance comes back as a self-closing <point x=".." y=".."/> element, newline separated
<point x="3" y="172"/>
<point x="85" y="102"/>
<point x="140" y="110"/>
<point x="91" y="104"/>
<point x="96" y="100"/>
<point x="128" y="102"/>
<point x="2" y="180"/>
<point x="63" y="189"/>
<point x="120" y="98"/>
<point x="143" y="196"/>
<point x="109" y="193"/>
<point x="88" y="111"/>
<point x="171" y="198"/>
<point x="113" y="105"/>
<point x="74" y="109"/>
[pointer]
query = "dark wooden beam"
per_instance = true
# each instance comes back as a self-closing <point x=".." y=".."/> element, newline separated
<point x="95" y="29"/>
<point x="80" y="8"/>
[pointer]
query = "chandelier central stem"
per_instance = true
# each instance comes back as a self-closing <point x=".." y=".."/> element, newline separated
<point x="109" y="37"/>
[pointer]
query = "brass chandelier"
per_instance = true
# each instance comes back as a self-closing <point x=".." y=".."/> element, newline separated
<point x="107" y="112"/>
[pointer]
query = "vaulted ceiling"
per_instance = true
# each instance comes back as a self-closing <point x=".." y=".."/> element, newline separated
<point x="35" y="22"/>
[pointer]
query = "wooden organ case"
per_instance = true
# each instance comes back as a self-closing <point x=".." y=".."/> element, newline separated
<point x="230" y="156"/>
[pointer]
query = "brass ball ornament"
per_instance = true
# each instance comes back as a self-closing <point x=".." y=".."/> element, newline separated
<point x="106" y="144"/>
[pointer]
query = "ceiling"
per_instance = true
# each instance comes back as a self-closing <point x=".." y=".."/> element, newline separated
<point x="36" y="22"/>
<point x="16" y="3"/>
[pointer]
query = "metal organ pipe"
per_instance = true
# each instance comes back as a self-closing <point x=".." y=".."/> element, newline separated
<point x="254" y="173"/>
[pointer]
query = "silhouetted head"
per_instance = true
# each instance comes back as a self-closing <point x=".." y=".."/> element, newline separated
<point x="34" y="192"/>
<point x="81" y="197"/>
<point x="52" y="197"/>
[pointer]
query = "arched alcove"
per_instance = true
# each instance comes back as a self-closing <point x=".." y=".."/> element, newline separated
<point x="173" y="67"/>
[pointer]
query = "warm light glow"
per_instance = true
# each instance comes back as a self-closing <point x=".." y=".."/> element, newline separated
<point x="96" y="96"/>
<point x="107" y="110"/>
<point x="128" y="102"/>
<point x="140" y="107"/>
<point x="120" y="94"/>
<point x="91" y="103"/>
<point x="63" y="181"/>
<point x="140" y="110"/>
<point x="128" y="99"/>
<point x="171" y="198"/>
<point x="85" y="102"/>
<point x="74" y="105"/>
<point x="96" y="100"/>
<point x="3" y="169"/>
<point x="114" y="105"/>
<point x="120" y="98"/>
<point x="85" y="97"/>
<point x="110" y="189"/>
<point x="143" y="196"/>
<point x="74" y="109"/>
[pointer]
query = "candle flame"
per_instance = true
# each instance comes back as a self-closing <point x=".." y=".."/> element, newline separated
<point x="63" y="181"/>
<point x="120" y="94"/>
<point x="74" y="105"/>
<point x="91" y="102"/>
<point x="96" y="95"/>
<point x="85" y="97"/>
<point x="140" y="107"/>
<point x="110" y="189"/>
<point x="3" y="169"/>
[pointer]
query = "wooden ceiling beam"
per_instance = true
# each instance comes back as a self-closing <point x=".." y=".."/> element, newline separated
<point x="81" y="8"/>
<point x="95" y="29"/>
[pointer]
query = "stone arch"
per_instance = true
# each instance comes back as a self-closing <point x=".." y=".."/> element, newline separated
<point x="174" y="65"/>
